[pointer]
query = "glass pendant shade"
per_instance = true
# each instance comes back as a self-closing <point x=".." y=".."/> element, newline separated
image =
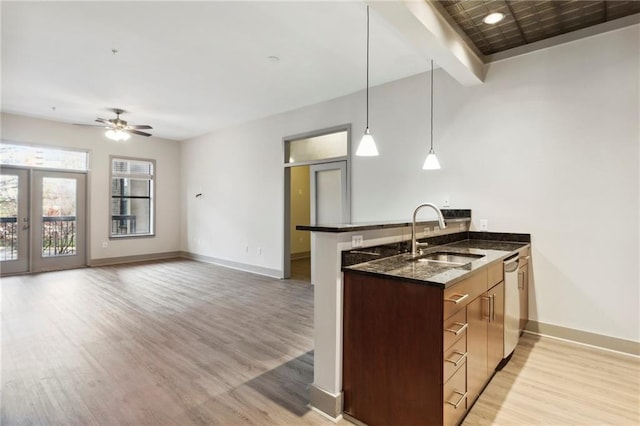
<point x="431" y="162"/>
<point x="117" y="135"/>
<point x="367" y="147"/>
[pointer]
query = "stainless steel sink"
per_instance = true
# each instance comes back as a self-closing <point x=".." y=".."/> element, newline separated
<point x="449" y="258"/>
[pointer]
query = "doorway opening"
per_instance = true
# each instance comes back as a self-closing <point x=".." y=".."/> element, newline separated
<point x="317" y="191"/>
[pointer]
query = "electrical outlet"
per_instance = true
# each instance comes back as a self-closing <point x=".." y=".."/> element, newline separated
<point x="105" y="244"/>
<point x="446" y="202"/>
<point x="259" y="251"/>
<point x="484" y="224"/>
<point x="427" y="229"/>
<point x="357" y="241"/>
<point x="462" y="227"/>
<point x="436" y="228"/>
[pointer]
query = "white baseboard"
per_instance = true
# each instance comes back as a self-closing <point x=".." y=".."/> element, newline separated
<point x="260" y="270"/>
<point x="584" y="337"/>
<point x="106" y="261"/>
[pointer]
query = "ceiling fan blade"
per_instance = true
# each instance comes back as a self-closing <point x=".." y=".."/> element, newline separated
<point x="88" y="125"/>
<point x="137" y="132"/>
<point x="105" y="122"/>
<point x="140" y="126"/>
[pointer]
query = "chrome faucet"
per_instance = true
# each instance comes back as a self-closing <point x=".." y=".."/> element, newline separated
<point x="414" y="243"/>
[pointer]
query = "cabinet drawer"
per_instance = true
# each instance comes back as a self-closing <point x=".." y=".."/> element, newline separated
<point x="455" y="397"/>
<point x="455" y="328"/>
<point x="496" y="274"/>
<point x="459" y="295"/>
<point x="454" y="358"/>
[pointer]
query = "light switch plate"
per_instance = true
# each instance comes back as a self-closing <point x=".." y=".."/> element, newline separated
<point x="357" y="241"/>
<point x="484" y="224"/>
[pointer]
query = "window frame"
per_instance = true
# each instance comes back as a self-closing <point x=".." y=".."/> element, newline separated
<point x="152" y="196"/>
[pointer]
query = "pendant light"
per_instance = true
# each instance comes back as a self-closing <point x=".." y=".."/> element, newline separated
<point x="431" y="162"/>
<point x="367" y="147"/>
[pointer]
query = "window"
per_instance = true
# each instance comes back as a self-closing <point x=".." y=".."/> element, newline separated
<point x="132" y="197"/>
<point x="12" y="154"/>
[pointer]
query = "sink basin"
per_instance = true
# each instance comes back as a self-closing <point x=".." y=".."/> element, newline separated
<point x="449" y="258"/>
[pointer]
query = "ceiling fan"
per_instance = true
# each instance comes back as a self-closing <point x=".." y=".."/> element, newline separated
<point x="118" y="129"/>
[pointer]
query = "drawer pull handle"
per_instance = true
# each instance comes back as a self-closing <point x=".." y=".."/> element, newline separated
<point x="459" y="361"/>
<point x="460" y="298"/>
<point x="462" y="328"/>
<point x="463" y="396"/>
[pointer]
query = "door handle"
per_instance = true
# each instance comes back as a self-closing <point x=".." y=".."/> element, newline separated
<point x="488" y="300"/>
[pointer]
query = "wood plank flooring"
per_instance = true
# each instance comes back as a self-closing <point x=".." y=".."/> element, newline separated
<point x="554" y="382"/>
<point x="188" y="343"/>
<point x="301" y="269"/>
<point x="177" y="342"/>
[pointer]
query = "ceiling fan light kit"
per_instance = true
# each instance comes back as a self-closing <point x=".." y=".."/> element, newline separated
<point x="117" y="135"/>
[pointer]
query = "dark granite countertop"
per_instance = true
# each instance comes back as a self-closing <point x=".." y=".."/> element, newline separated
<point x="401" y="267"/>
<point x="450" y="216"/>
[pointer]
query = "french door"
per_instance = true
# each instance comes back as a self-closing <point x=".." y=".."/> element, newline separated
<point x="43" y="226"/>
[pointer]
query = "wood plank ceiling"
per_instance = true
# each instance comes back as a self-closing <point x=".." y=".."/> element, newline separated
<point x="530" y="21"/>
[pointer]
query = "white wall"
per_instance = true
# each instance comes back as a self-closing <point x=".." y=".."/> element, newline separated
<point x="549" y="145"/>
<point x="166" y="153"/>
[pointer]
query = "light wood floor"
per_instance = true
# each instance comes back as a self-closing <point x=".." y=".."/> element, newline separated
<point x="554" y="382"/>
<point x="188" y="343"/>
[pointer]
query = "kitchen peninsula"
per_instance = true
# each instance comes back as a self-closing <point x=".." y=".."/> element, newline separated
<point x="381" y="257"/>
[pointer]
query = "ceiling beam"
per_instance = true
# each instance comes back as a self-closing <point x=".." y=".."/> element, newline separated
<point x="424" y="27"/>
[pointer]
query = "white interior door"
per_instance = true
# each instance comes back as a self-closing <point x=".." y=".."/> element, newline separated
<point x="329" y="193"/>
<point x="14" y="220"/>
<point x="58" y="220"/>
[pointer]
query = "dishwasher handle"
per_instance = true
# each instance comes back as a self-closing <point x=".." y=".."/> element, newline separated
<point x="511" y="264"/>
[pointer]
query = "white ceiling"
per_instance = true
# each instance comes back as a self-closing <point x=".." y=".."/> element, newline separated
<point x="188" y="68"/>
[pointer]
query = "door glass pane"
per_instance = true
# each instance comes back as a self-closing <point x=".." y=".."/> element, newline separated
<point x="8" y="217"/>
<point x="59" y="221"/>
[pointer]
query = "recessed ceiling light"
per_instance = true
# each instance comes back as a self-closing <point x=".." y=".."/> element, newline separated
<point x="493" y="18"/>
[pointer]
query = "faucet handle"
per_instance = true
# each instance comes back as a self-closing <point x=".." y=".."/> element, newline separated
<point x="420" y="246"/>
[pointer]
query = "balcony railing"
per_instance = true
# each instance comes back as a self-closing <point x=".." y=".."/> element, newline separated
<point x="123" y="224"/>
<point x="59" y="234"/>
<point x="8" y="238"/>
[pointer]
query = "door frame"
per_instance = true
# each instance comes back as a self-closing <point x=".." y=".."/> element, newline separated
<point x="22" y="265"/>
<point x="286" y="250"/>
<point x="30" y="171"/>
<point x="79" y="259"/>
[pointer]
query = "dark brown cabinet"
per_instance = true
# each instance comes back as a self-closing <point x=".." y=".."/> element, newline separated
<point x="419" y="354"/>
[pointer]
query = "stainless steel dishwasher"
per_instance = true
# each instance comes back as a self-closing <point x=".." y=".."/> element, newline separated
<point x="511" y="304"/>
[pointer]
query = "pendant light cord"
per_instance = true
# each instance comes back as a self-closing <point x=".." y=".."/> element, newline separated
<point x="431" y="105"/>
<point x="367" y="67"/>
